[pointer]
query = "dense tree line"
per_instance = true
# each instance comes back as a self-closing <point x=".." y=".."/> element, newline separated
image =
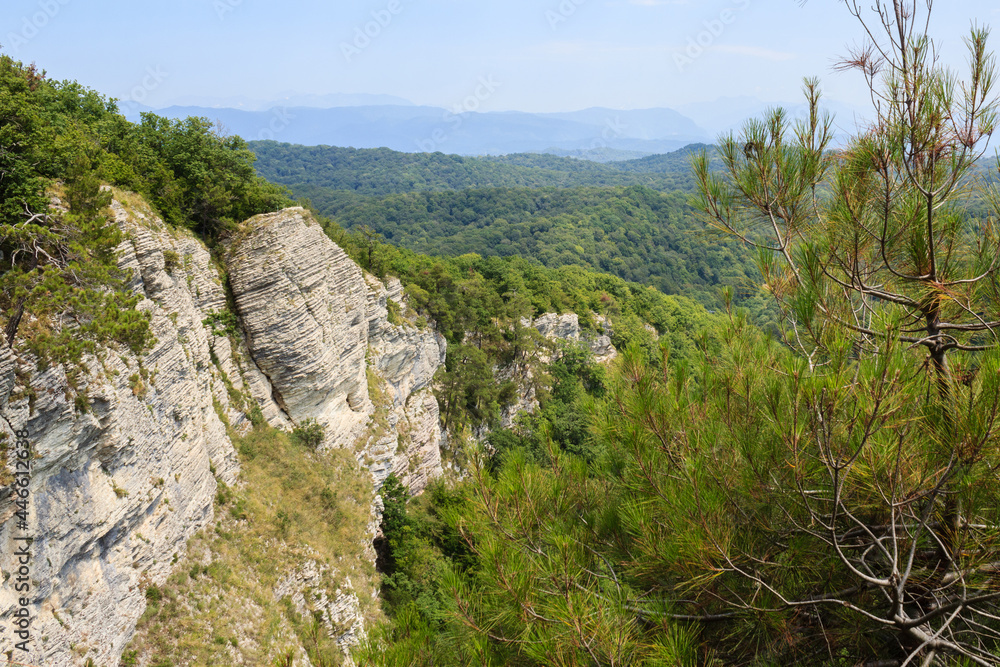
<point x="326" y="170"/>
<point x="479" y="305"/>
<point x="630" y="219"/>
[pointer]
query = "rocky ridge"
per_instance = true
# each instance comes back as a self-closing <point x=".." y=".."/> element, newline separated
<point x="565" y="329"/>
<point x="126" y="471"/>
<point x="559" y="330"/>
<point x="312" y="318"/>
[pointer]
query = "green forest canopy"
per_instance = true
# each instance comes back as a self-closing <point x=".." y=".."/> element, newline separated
<point x="51" y="261"/>
<point x="381" y="171"/>
<point x="633" y="232"/>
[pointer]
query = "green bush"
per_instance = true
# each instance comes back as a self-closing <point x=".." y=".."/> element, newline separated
<point x="395" y="312"/>
<point x="171" y="260"/>
<point x="309" y="434"/>
<point x="222" y="323"/>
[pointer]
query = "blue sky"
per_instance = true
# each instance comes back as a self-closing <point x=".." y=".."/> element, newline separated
<point x="538" y="55"/>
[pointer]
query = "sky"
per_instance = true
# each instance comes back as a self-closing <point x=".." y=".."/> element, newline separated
<point x="493" y="55"/>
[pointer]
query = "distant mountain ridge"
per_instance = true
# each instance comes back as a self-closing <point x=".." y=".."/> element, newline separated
<point x="424" y="129"/>
<point x="383" y="121"/>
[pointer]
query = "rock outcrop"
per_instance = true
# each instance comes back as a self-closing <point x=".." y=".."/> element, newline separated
<point x="7" y="372"/>
<point x="566" y="328"/>
<point x="126" y="464"/>
<point x="559" y="330"/>
<point x="312" y="317"/>
<point x="302" y="303"/>
<point x="341" y="615"/>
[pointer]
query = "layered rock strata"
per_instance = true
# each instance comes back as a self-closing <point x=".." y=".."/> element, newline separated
<point x="126" y="464"/>
<point x="312" y="317"/>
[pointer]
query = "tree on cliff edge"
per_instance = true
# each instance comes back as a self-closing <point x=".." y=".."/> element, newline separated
<point x="58" y="269"/>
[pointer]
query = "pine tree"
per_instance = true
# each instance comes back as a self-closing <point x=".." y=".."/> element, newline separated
<point x="886" y="433"/>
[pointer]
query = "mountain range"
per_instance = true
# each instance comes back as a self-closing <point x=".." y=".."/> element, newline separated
<point x="365" y="121"/>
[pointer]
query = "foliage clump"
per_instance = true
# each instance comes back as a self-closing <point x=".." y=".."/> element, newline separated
<point x="61" y="291"/>
<point x="309" y="433"/>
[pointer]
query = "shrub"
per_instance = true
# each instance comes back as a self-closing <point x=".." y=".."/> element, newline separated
<point x="395" y="312"/>
<point x="222" y="323"/>
<point x="153" y="594"/>
<point x="171" y="260"/>
<point x="309" y="434"/>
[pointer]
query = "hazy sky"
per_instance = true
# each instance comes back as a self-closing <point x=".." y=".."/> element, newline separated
<point x="528" y="55"/>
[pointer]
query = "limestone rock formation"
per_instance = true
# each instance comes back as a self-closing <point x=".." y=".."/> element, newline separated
<point x="123" y="472"/>
<point x="566" y="328"/>
<point x="7" y="372"/>
<point x="559" y="330"/>
<point x="126" y="471"/>
<point x="302" y="303"/>
<point x="312" y="318"/>
<point x="341" y="616"/>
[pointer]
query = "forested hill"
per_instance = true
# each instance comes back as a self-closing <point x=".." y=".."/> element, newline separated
<point x="633" y="232"/>
<point x="631" y="219"/>
<point x="381" y="171"/>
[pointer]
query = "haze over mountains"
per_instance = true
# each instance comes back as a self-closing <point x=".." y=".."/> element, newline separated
<point x="430" y="129"/>
<point x="371" y="121"/>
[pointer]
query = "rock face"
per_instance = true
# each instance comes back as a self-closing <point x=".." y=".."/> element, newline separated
<point x="340" y="615"/>
<point x="312" y="318"/>
<point x="566" y="328"/>
<point x="405" y="360"/>
<point x="302" y="302"/>
<point x="125" y="472"/>
<point x="7" y="372"/>
<point x="559" y="330"/>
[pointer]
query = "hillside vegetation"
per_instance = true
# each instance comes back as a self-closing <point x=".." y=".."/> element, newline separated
<point x="61" y="137"/>
<point x="479" y="305"/>
<point x="826" y="497"/>
<point x="635" y="233"/>
<point x="381" y="171"/>
<point x="61" y="263"/>
<point x="825" y="491"/>
<point x="631" y="219"/>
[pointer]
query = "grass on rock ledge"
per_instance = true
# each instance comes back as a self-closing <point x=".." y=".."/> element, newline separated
<point x="292" y="506"/>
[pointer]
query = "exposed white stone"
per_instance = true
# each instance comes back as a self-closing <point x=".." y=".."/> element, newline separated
<point x="118" y="489"/>
<point x="7" y="371"/>
<point x="559" y="330"/>
<point x="527" y="399"/>
<point x="302" y="302"/>
<point x="306" y="586"/>
<point x="566" y="328"/>
<point x="419" y="460"/>
<point x="315" y="322"/>
<point x="404" y="356"/>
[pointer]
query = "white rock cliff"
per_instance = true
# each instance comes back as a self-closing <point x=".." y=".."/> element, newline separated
<point x="126" y="471"/>
<point x="312" y="318"/>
